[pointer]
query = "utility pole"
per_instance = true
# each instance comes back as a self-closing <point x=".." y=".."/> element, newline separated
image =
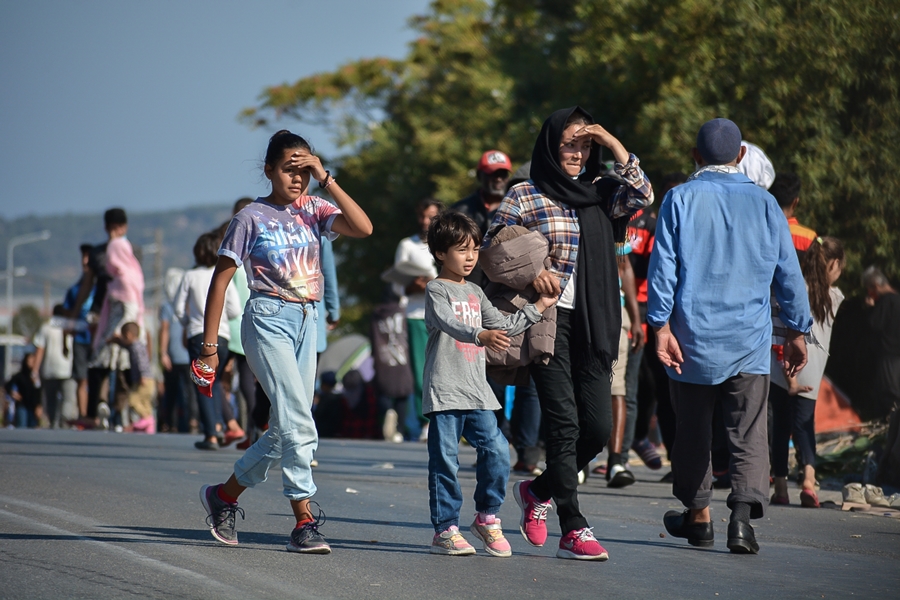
<point x="10" y="271"/>
<point x="158" y="270"/>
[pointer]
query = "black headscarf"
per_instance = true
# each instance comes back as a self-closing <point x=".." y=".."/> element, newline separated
<point x="597" y="302"/>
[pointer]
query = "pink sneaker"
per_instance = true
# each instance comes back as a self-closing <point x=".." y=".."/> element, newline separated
<point x="581" y="544"/>
<point x="450" y="542"/>
<point x="490" y="532"/>
<point x="533" y="523"/>
<point x="144" y="425"/>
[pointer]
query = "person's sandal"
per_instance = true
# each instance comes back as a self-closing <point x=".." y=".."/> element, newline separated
<point x="781" y="500"/>
<point x="809" y="499"/>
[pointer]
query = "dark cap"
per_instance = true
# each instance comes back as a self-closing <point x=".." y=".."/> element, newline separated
<point x="719" y="141"/>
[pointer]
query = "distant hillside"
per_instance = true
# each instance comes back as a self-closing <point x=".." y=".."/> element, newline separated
<point x="57" y="261"/>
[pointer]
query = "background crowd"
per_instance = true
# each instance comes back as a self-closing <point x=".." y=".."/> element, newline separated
<point x="97" y="362"/>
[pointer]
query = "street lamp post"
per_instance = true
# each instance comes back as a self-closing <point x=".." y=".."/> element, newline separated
<point x="20" y="272"/>
<point x="10" y="276"/>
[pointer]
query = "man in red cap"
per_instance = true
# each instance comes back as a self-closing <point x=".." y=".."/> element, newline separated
<point x="494" y="170"/>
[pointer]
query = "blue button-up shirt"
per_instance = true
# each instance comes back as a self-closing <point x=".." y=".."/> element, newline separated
<point x="722" y="246"/>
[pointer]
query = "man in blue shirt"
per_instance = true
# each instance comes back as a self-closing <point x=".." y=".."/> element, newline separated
<point x="722" y="247"/>
<point x="81" y="352"/>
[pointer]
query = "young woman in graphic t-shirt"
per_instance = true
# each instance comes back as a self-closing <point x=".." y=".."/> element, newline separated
<point x="276" y="240"/>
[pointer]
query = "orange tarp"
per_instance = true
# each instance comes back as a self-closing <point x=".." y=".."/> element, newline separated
<point x="833" y="410"/>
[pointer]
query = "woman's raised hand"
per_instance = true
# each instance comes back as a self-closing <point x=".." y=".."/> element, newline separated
<point x="311" y="162"/>
<point x="604" y="138"/>
<point x="597" y="133"/>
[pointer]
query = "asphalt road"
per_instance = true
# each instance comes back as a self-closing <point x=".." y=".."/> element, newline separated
<point x="105" y="515"/>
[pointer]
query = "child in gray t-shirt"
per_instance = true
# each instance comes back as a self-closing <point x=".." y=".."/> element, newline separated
<point x="456" y="397"/>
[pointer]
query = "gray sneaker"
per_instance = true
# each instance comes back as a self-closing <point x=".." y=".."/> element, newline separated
<point x="307" y="539"/>
<point x="220" y="515"/>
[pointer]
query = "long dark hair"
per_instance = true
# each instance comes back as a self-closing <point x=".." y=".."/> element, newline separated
<point x="284" y="140"/>
<point x="815" y="272"/>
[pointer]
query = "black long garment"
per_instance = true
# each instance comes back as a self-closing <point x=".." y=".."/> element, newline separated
<point x="597" y="304"/>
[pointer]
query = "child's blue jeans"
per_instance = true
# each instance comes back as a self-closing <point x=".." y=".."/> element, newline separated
<point x="279" y="339"/>
<point x="480" y="429"/>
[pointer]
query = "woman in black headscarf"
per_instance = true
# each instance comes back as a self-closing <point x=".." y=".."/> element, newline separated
<point x="584" y="217"/>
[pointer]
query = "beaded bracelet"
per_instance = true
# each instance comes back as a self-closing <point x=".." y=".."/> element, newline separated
<point x="208" y="345"/>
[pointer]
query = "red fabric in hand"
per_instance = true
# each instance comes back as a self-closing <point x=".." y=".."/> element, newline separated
<point x="203" y="376"/>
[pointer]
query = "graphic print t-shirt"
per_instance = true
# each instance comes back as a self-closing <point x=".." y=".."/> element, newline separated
<point x="279" y="246"/>
<point x="455" y="313"/>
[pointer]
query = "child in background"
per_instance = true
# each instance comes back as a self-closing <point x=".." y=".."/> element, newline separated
<point x="27" y="394"/>
<point x="141" y="385"/>
<point x="360" y="419"/>
<point x="328" y="407"/>
<point x="456" y="397"/>
<point x="276" y="238"/>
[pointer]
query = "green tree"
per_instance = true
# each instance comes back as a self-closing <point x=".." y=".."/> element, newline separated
<point x="813" y="82"/>
<point x="437" y="111"/>
<point x="27" y="321"/>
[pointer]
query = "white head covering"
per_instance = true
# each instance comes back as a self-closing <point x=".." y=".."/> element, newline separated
<point x="757" y="166"/>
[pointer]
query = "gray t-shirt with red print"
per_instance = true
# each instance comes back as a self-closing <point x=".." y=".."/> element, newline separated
<point x="455" y="313"/>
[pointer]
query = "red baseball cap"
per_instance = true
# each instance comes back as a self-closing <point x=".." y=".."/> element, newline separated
<point x="494" y="160"/>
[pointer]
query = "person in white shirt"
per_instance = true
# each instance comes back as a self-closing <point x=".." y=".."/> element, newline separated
<point x="53" y="361"/>
<point x="413" y="254"/>
<point x="190" y="306"/>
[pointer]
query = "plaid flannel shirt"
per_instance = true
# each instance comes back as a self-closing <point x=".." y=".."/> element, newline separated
<point x="527" y="206"/>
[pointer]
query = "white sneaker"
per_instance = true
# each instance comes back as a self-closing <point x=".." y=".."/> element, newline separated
<point x="853" y="493"/>
<point x="389" y="428"/>
<point x="875" y="496"/>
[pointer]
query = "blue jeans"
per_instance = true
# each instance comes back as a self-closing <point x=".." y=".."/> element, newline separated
<point x="792" y="416"/>
<point x="279" y="340"/>
<point x="25" y="418"/>
<point x="479" y="427"/>
<point x="210" y="406"/>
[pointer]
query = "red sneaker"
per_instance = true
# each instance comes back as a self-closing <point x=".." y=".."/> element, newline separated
<point x="533" y="523"/>
<point x="581" y="544"/>
<point x="233" y="436"/>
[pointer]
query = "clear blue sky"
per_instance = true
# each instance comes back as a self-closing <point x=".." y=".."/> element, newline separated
<point x="134" y="104"/>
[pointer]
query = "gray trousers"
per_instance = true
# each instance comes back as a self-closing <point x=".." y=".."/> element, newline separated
<point x="743" y="399"/>
<point x="60" y="400"/>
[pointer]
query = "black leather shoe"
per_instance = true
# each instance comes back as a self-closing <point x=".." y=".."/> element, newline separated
<point x="741" y="539"/>
<point x="697" y="534"/>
